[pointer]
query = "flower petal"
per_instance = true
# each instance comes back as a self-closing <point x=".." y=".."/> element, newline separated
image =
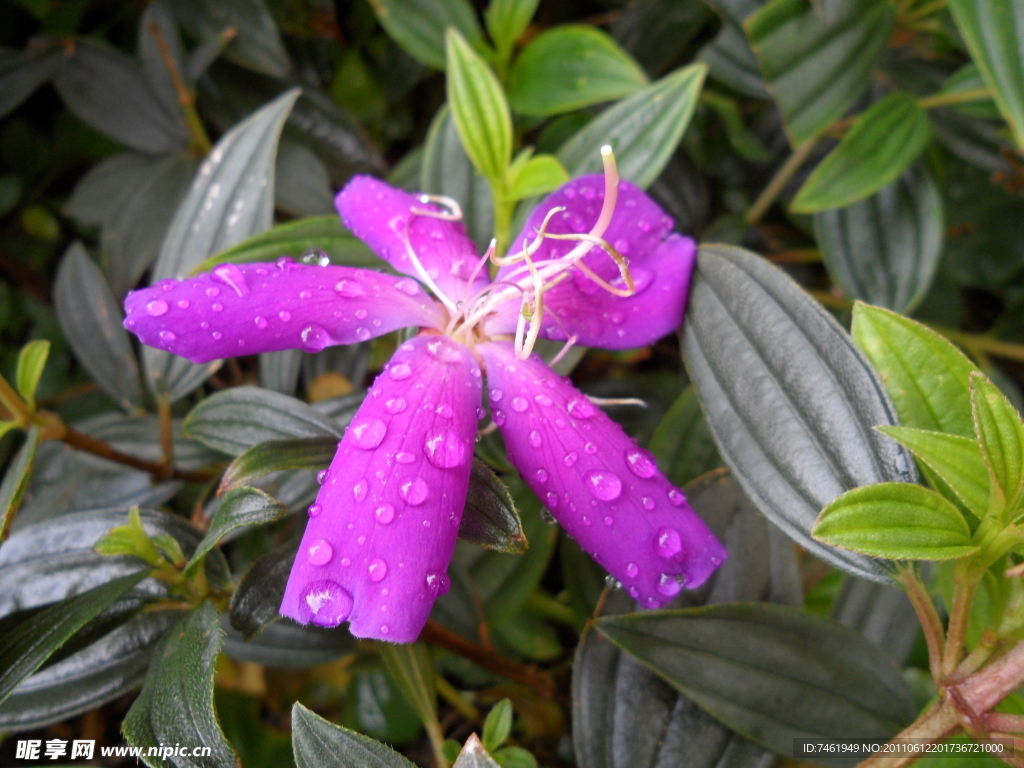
<point x="250" y="308"/>
<point x="605" y="490"/>
<point x="384" y="525"/>
<point x="378" y="214"/>
<point x="661" y="265"/>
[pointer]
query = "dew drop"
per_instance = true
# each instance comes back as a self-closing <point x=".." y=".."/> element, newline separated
<point x="543" y="399"/>
<point x="652" y="602"/>
<point x="305" y="294"/>
<point x="445" y="411"/>
<point x="633" y="591"/>
<point x="632" y="570"/>
<point x="408" y="287"/>
<point x="395" y="405"/>
<point x="315" y="510"/>
<point x="604" y="485"/>
<point x="590" y="448"/>
<point x="552" y="499"/>
<point x="499" y="418"/>
<point x="586" y="520"/>
<point x="648" y="503"/>
<point x="313" y="338"/>
<point x="213" y="291"/>
<point x="360" y="314"/>
<point x="445" y="449"/>
<point x="156" y="307"/>
<point x="327" y="603"/>
<point x="231" y="276"/>
<point x="368" y="434"/>
<point x="384" y="629"/>
<point x="668" y="585"/>
<point x="496" y="395"/>
<point x="541" y="475"/>
<point x="581" y="408"/>
<point x="315" y="258"/>
<point x="261" y="322"/>
<point x="570" y="458"/>
<point x="286" y="264"/>
<point x="438" y="583"/>
<point x="217" y="335"/>
<point x="667" y="542"/>
<point x="346" y="562"/>
<point x="676" y="497"/>
<point x="400" y="371"/>
<point x="404" y="457"/>
<point x="535" y="439"/>
<point x="385" y="513"/>
<point x="320" y="552"/>
<point x="184" y="303"/>
<point x="519" y="404"/>
<point x="217" y="307"/>
<point x="362" y="333"/>
<point x="415" y="491"/>
<point x="480" y="412"/>
<point x="284" y="315"/>
<point x="608" y="520"/>
<point x="641" y="462"/>
<point x="167" y="336"/>
<point x="360" y="489"/>
<point x="377" y="569"/>
<point x="321" y="476"/>
<point x="618" y="318"/>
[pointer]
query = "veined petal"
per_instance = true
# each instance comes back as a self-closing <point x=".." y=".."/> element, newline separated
<point x="384" y="525"/>
<point x="251" y="308"/>
<point x="606" y="492"/>
<point x="661" y="266"/>
<point x="378" y="214"/>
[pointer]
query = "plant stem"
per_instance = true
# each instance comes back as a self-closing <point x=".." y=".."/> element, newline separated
<point x="502" y="219"/>
<point x="996" y="681"/>
<point x="936" y="724"/>
<point x="187" y="99"/>
<point x="974" y="342"/>
<point x="13" y="403"/>
<point x="166" y="433"/>
<point x="931" y="624"/>
<point x="963" y="597"/>
<point x="784" y="174"/>
<point x="452" y="695"/>
<point x="89" y="444"/>
<point x="955" y="97"/>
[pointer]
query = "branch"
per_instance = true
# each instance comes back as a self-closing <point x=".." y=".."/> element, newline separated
<point x="158" y="470"/>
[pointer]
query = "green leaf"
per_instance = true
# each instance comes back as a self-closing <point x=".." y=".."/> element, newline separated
<point x="880" y="145"/>
<point x="770" y="672"/>
<point x="498" y="725"/>
<point x="1000" y="438"/>
<point x="239" y="507"/>
<point x="275" y="455"/>
<point x="507" y="19"/>
<point x="926" y="376"/>
<point x="994" y="33"/>
<point x="176" y="702"/>
<point x="885" y="250"/>
<point x="746" y="144"/>
<point x="569" y="67"/>
<point x="817" y="70"/>
<point x="473" y="755"/>
<point x="31" y="361"/>
<point x="537" y="176"/>
<point x="478" y="108"/>
<point x="658" y="33"/>
<point x="26" y="647"/>
<point x="257" y="46"/>
<point x="411" y="666"/>
<point x="255" y="603"/>
<point x="643" y="129"/>
<point x="15" y="482"/>
<point x="682" y="443"/>
<point x="968" y="78"/>
<point x="288" y="645"/>
<point x="293" y="238"/>
<point x="21" y="72"/>
<point x="901" y="521"/>
<point x="732" y="63"/>
<point x="791" y="402"/>
<point x="515" y="757"/>
<point x="320" y="744"/>
<point x="419" y="26"/>
<point x="131" y="539"/>
<point x="490" y="518"/>
<point x="955" y="459"/>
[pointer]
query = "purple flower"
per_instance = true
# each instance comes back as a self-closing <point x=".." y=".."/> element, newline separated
<point x="596" y="264"/>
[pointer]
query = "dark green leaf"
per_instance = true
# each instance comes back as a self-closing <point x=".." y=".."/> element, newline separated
<point x="275" y="455"/>
<point x="419" y="26"/>
<point x="968" y="78"/>
<point x="506" y="20"/>
<point x="881" y="613"/>
<point x="682" y="443"/>
<point x="732" y="62"/>
<point x="791" y="402"/>
<point x="239" y="418"/>
<point x="255" y="602"/>
<point x="151" y="52"/>
<point x="1000" y="437"/>
<point x="27" y="646"/>
<point x="279" y="371"/>
<point x="816" y="70"/>
<point x="498" y="725"/>
<point x="140" y="436"/>
<point x="658" y="33"/>
<point x="258" y="44"/>
<point x="91" y="319"/>
<point x="478" y="109"/>
<point x="927" y="377"/>
<point x="15" y="482"/>
<point x="643" y="129"/>
<point x="31" y="361"/>
<point x="411" y="666"/>
<point x="321" y="744"/>
<point x="901" y="521"/>
<point x="107" y="90"/>
<point x="490" y="518"/>
<point x="569" y="67"/>
<point x="885" y="250"/>
<point x="288" y="645"/>
<point x="515" y="757"/>
<point x="176" y="703"/>
<point x="375" y="706"/>
<point x="21" y="72"/>
<point x="880" y="145"/>
<point x="302" y="186"/>
<point x="746" y="144"/>
<point x="239" y="507"/>
<point x="771" y="672"/>
<point x="994" y="33"/>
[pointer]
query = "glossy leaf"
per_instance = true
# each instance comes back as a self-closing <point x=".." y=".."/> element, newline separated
<point x="658" y="33"/>
<point x="490" y="518"/>
<point x="91" y="319"/>
<point x="537" y="176"/>
<point x="817" y="70"/>
<point x="771" y="672"/>
<point x="507" y="19"/>
<point x="478" y="108"/>
<point x="901" y="521"/>
<point x="288" y="645"/>
<point x="419" y="26"/>
<point x="411" y="666"/>
<point x="15" y="482"/>
<point x="643" y="129"/>
<point x="885" y="250"/>
<point x="881" y="613"/>
<point x="880" y="145"/>
<point x="925" y="375"/>
<point x="791" y="402"/>
<point x="302" y="186"/>
<point x="955" y="459"/>
<point x="21" y="72"/>
<point x="275" y="455"/>
<point x="238" y="508"/>
<point x="31" y="361"/>
<point x="994" y="33"/>
<point x="320" y="744"/>
<point x="176" y="702"/>
<point x="257" y="45"/>
<point x="682" y="443"/>
<point x="255" y="602"/>
<point x="151" y="51"/>
<point x="732" y="62"/>
<point x="27" y="646"/>
<point x="569" y="67"/>
<point x="1000" y="437"/>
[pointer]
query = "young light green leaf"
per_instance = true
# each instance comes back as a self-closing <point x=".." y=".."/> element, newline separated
<point x="955" y="459"/>
<point x="15" y="482"/>
<point x="537" y="176"/>
<point x="515" y="757"/>
<point x="878" y="148"/>
<point x="817" y="70"/>
<point x="926" y="376"/>
<point x="130" y="539"/>
<point x="498" y="725"/>
<point x="570" y="67"/>
<point x="239" y="507"/>
<point x="994" y="33"/>
<point x="900" y="521"/>
<point x="318" y="743"/>
<point x="1000" y="437"/>
<point x="31" y="361"/>
<point x="644" y="129"/>
<point x="506" y="20"/>
<point x="275" y="455"/>
<point x="479" y="109"/>
<point x="419" y="26"/>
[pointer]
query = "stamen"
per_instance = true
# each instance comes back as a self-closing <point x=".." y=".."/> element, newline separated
<point x="617" y="257"/>
<point x="454" y="212"/>
<point x="422" y="272"/>
<point x="602" y="401"/>
<point x="568" y="345"/>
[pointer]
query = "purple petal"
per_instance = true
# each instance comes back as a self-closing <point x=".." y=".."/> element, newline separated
<point x="661" y="265"/>
<point x="250" y="308"/>
<point x="378" y="214"/>
<point x="605" y="490"/>
<point x="384" y="525"/>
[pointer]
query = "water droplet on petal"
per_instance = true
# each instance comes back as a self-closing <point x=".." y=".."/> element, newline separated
<point x="362" y="333"/>
<point x="590" y="448"/>
<point x="543" y="399"/>
<point x="570" y="458"/>
<point x="320" y="552"/>
<point x="648" y="503"/>
<point x="284" y="315"/>
<point x="641" y="462"/>
<point x="305" y="294"/>
<point x="314" y="510"/>
<point x="499" y="418"/>
<point x="408" y="286"/>
<point x="261" y="322"/>
<point x="605" y="485"/>
<point x="445" y="411"/>
<point x="445" y="449"/>
<point x="676" y="497"/>
<point x="316" y="258"/>
<point x="541" y="475"/>
<point x="328" y="604"/>
<point x="156" y="307"/>
<point x="609" y="520"/>
<point x="395" y="405"/>
<point x="217" y="307"/>
<point x="668" y="585"/>
<point x="652" y="602"/>
<point x="321" y="476"/>
<point x="552" y="499"/>
<point x="213" y="291"/>
<point x="184" y="303"/>
<point x="667" y="542"/>
<point x="415" y="491"/>
<point x="581" y="408"/>
<point x="535" y="439"/>
<point x="167" y="336"/>
<point x="385" y="513"/>
<point x="519" y="404"/>
<point x="400" y="371"/>
<point x="360" y="489"/>
<point x="633" y="591"/>
<point x="368" y="434"/>
<point x="404" y="457"/>
<point x="438" y="583"/>
<point x="231" y="276"/>
<point x="496" y="395"/>
<point x="377" y="569"/>
<point x="360" y="314"/>
<point x="632" y="570"/>
<point x="217" y="335"/>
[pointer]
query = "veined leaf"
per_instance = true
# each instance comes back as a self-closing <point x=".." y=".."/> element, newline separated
<point x="419" y="26"/>
<point x="490" y="518"/>
<point x="31" y="361"/>
<point x="15" y="482"/>
<point x="275" y="455"/>
<point x="257" y="45"/>
<point x="506" y="20"/>
<point x="1000" y="437"/>
<point x="320" y="744"/>
<point x="239" y="507"/>
<point x="21" y="72"/>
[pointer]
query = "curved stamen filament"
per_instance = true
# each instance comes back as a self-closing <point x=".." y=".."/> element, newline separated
<point x="453" y="212"/>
